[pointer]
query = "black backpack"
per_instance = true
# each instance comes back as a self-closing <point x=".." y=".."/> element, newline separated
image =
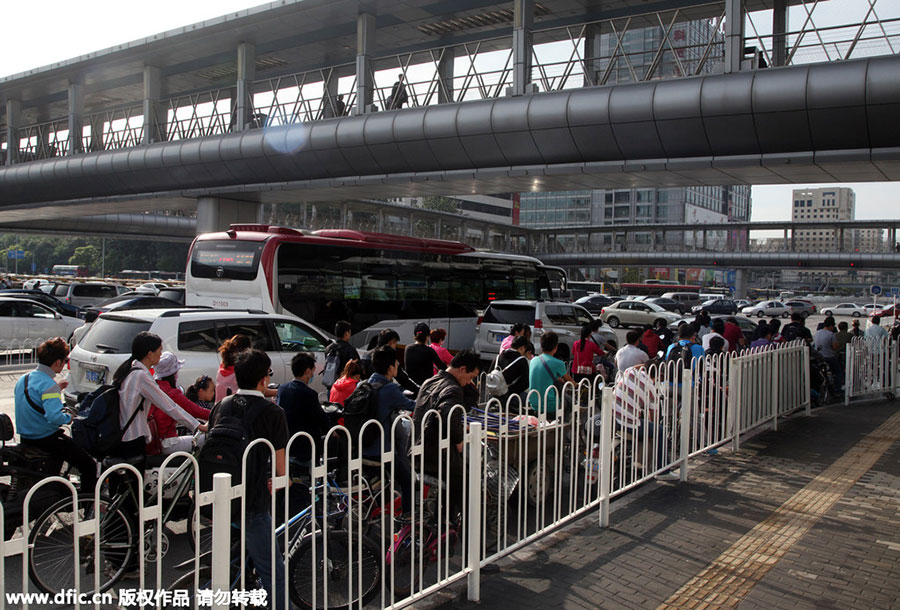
<point x="683" y="352"/>
<point x="226" y="443"/>
<point x="359" y="408"/>
<point x="790" y="331"/>
<point x="332" y="363"/>
<point x="96" y="427"/>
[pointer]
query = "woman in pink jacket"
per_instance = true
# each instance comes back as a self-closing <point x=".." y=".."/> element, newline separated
<point x="346" y="383"/>
<point x="166" y="373"/>
<point x="437" y="337"/>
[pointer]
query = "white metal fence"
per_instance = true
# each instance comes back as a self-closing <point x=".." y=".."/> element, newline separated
<point x="872" y="365"/>
<point x="510" y="474"/>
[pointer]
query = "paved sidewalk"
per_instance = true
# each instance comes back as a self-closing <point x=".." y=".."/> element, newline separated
<point x="805" y="517"/>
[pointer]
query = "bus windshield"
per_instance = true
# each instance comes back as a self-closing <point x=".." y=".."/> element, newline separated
<point x="232" y="260"/>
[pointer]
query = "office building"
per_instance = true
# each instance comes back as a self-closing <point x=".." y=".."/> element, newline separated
<point x="816" y="205"/>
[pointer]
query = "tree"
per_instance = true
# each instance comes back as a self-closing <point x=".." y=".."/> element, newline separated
<point x="441" y="204"/>
<point x="88" y="256"/>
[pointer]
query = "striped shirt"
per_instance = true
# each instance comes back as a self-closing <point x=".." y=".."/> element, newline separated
<point x="634" y="397"/>
<point x="140" y="384"/>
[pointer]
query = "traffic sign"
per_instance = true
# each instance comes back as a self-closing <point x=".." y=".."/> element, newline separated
<point x="895" y="291"/>
<point x="15" y="254"/>
<point x="874" y="290"/>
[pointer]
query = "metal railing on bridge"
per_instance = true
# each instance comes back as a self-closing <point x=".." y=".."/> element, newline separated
<point x="561" y="59"/>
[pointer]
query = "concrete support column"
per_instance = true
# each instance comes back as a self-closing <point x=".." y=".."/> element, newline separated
<point x="380" y="221"/>
<point x="345" y="213"/>
<point x="365" y="42"/>
<point x="154" y="113"/>
<point x="462" y="232"/>
<point x="523" y="23"/>
<point x="304" y="222"/>
<point x="593" y="69"/>
<point x="76" y="109"/>
<point x="438" y="228"/>
<point x="215" y="214"/>
<point x="784" y="242"/>
<point x="412" y="223"/>
<point x="13" y="117"/>
<point x="246" y="74"/>
<point x="740" y="284"/>
<point x="779" y="28"/>
<point x="96" y="142"/>
<point x="734" y="35"/>
<point x="445" y="75"/>
<point x="793" y="240"/>
<point x="705" y="242"/>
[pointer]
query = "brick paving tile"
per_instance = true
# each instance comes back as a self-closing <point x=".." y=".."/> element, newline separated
<point x="668" y="534"/>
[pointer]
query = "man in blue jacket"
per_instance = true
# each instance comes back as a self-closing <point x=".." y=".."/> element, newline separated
<point x="40" y="413"/>
<point x="391" y="401"/>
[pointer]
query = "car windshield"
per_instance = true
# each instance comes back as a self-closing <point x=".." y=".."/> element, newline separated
<point x="654" y="306"/>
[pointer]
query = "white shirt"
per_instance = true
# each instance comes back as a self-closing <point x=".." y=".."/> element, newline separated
<point x="140" y="384"/>
<point x="634" y="398"/>
<point x="708" y="337"/>
<point x="629" y="356"/>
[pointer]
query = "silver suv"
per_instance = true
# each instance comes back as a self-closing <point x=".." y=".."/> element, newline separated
<point x="85" y="294"/>
<point x="565" y="319"/>
<point x="195" y="336"/>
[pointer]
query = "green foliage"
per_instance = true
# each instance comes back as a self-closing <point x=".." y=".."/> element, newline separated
<point x="441" y="204"/>
<point x="46" y="251"/>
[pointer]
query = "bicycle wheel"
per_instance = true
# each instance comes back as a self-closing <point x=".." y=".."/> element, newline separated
<point x="402" y="563"/>
<point x="342" y="569"/>
<point x="51" y="564"/>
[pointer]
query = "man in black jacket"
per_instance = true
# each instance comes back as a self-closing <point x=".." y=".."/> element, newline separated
<point x="439" y="395"/>
<point x="266" y="420"/>
<point x="342" y="347"/>
<point x="302" y="409"/>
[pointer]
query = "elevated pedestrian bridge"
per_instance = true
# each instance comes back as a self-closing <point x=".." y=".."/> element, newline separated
<point x="820" y="123"/>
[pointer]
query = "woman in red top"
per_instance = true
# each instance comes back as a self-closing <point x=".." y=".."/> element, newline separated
<point x="165" y="373"/>
<point x="346" y="383"/>
<point x="225" y="382"/>
<point x="583" y="352"/>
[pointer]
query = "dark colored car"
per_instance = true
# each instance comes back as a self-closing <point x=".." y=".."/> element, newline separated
<point x="133" y="301"/>
<point x="44" y="299"/>
<point x="669" y="304"/>
<point x="717" y="306"/>
<point x="595" y="303"/>
<point x="173" y="294"/>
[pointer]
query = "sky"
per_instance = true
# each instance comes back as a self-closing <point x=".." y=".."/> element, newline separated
<point x="68" y="29"/>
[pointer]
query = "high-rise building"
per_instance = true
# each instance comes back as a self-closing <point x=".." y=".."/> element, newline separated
<point x="816" y="205"/>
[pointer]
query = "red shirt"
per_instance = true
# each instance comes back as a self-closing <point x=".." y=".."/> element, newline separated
<point x="733" y="335"/>
<point x="652" y="342"/>
<point x="165" y="424"/>
<point x="585" y="357"/>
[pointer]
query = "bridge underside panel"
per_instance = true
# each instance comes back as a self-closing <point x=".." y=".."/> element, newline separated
<point x="821" y="123"/>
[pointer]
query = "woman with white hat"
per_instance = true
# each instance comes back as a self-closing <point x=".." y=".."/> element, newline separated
<point x="167" y="440"/>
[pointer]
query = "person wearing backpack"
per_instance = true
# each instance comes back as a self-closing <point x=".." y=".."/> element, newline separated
<point x="440" y="394"/>
<point x="252" y="414"/>
<point x="338" y="354"/>
<point x="686" y="344"/>
<point x="513" y="364"/>
<point x="226" y="384"/>
<point x="167" y="440"/>
<point x="40" y="412"/>
<point x="138" y="391"/>
<point x="390" y="403"/>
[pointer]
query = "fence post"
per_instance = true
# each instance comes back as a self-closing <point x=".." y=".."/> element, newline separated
<point x="473" y="517"/>
<point x="807" y="378"/>
<point x="848" y="372"/>
<point x="606" y="438"/>
<point x="776" y="387"/>
<point x="221" y="535"/>
<point x="687" y="383"/>
<point x="738" y="383"/>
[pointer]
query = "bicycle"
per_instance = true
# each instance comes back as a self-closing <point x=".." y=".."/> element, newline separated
<point x="24" y="466"/>
<point x="307" y="533"/>
<point x="52" y="538"/>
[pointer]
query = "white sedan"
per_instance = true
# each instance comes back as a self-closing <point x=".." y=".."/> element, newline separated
<point x="768" y="308"/>
<point x="26" y="320"/>
<point x="845" y="309"/>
